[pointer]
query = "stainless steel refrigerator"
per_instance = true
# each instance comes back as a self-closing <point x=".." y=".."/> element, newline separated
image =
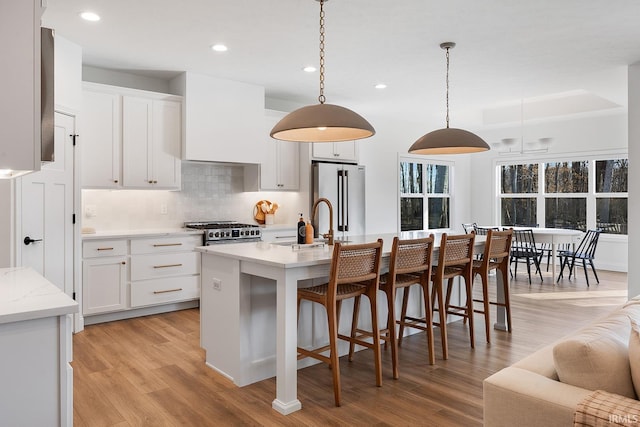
<point x="343" y="186"/>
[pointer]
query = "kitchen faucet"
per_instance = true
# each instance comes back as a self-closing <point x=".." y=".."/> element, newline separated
<point x="329" y="234"/>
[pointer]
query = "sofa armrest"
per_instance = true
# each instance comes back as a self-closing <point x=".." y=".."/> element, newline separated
<point x="515" y="396"/>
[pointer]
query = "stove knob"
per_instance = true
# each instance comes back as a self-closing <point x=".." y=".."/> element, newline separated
<point x="228" y="234"/>
<point x="217" y="234"/>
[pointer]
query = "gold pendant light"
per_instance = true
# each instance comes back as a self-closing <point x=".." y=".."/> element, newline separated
<point x="322" y="122"/>
<point x="449" y="140"/>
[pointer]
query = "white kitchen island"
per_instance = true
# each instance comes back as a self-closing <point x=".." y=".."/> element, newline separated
<point x="248" y="291"/>
<point x="35" y="350"/>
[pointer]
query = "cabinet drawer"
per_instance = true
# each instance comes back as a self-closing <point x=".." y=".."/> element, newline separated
<point x="167" y="290"/>
<point x="164" y="265"/>
<point x="102" y="248"/>
<point x="165" y="244"/>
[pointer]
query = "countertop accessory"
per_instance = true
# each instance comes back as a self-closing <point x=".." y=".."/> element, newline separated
<point x="262" y="209"/>
<point x="322" y="122"/>
<point x="448" y="140"/>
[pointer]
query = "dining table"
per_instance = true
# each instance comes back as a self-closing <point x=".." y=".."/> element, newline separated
<point x="553" y="236"/>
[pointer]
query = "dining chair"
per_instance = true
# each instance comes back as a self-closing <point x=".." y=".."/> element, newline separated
<point x="469" y="227"/>
<point x="409" y="264"/>
<point x="524" y="249"/>
<point x="586" y="251"/>
<point x="496" y="253"/>
<point x="455" y="259"/>
<point x="354" y="271"/>
<point x="483" y="231"/>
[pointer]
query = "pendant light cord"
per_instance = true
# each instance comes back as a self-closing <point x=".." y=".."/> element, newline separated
<point x="321" y="98"/>
<point x="447" y="55"/>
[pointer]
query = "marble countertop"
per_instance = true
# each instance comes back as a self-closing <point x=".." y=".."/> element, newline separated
<point x="139" y="233"/>
<point x="27" y="295"/>
<point x="287" y="256"/>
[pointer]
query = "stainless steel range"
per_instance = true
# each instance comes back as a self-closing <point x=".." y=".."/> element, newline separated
<point x="216" y="232"/>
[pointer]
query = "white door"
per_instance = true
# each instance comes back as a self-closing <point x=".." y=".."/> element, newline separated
<point x="45" y="212"/>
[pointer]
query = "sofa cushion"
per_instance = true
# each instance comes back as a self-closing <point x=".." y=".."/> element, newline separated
<point x="597" y="357"/>
<point x="634" y="355"/>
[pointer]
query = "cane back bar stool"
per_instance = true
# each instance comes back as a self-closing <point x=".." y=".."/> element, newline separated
<point x="455" y="259"/>
<point x="355" y="271"/>
<point x="409" y="264"/>
<point x="495" y="257"/>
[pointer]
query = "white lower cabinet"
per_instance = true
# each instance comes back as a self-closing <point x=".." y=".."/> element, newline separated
<point x="104" y="276"/>
<point x="126" y="274"/>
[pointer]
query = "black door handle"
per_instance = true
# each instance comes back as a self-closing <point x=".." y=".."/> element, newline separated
<point x="27" y="240"/>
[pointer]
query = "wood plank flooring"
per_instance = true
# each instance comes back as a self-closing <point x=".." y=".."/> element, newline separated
<point x="150" y="371"/>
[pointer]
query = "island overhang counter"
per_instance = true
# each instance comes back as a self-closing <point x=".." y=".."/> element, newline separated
<point x="247" y="288"/>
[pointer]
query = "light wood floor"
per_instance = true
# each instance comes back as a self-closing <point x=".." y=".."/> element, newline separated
<point x="150" y="371"/>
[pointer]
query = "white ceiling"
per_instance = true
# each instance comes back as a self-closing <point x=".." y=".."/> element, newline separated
<point x="507" y="51"/>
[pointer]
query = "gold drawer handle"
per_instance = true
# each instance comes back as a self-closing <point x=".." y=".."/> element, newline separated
<point x="157" y="245"/>
<point x="168" y="290"/>
<point x="104" y="249"/>
<point x="167" y="266"/>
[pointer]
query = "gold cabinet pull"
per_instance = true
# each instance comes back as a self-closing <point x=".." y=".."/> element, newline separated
<point x="168" y="290"/>
<point x="167" y="265"/>
<point x="157" y="245"/>
<point x="104" y="249"/>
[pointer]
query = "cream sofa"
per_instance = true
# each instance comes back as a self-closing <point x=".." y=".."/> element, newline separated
<point x="549" y="386"/>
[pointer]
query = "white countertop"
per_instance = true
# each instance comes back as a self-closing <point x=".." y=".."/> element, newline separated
<point x="139" y="233"/>
<point x="285" y="257"/>
<point x="26" y="295"/>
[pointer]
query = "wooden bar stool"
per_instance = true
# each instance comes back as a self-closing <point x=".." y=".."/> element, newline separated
<point x="455" y="259"/>
<point x="355" y="271"/>
<point x="449" y="266"/>
<point x="495" y="257"/>
<point x="409" y="264"/>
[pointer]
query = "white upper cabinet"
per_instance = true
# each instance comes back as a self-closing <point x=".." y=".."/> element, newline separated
<point x="100" y="139"/>
<point x="280" y="169"/>
<point x="20" y="85"/>
<point x="151" y="135"/>
<point x="131" y="138"/>
<point x="346" y="151"/>
<point x="223" y="119"/>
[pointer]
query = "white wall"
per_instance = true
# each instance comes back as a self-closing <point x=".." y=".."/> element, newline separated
<point x="380" y="154"/>
<point x="634" y="178"/>
<point x="130" y="80"/>
<point x="581" y="136"/>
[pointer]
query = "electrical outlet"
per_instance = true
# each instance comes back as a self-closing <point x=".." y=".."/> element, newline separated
<point x="163" y="208"/>
<point x="217" y="284"/>
<point x="90" y="211"/>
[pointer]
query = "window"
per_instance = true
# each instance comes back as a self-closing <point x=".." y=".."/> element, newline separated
<point x="519" y="184"/>
<point x="424" y="195"/>
<point x="611" y="195"/>
<point x="578" y="194"/>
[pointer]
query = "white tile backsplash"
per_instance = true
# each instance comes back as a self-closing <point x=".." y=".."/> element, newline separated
<point x="209" y="192"/>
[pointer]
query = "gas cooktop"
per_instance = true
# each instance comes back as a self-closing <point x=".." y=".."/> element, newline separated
<point x="206" y="225"/>
<point x="226" y="231"/>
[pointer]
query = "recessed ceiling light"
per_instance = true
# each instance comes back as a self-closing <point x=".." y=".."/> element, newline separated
<point x="219" y="47"/>
<point x="381" y="86"/>
<point x="309" y="69"/>
<point x="90" y="16"/>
